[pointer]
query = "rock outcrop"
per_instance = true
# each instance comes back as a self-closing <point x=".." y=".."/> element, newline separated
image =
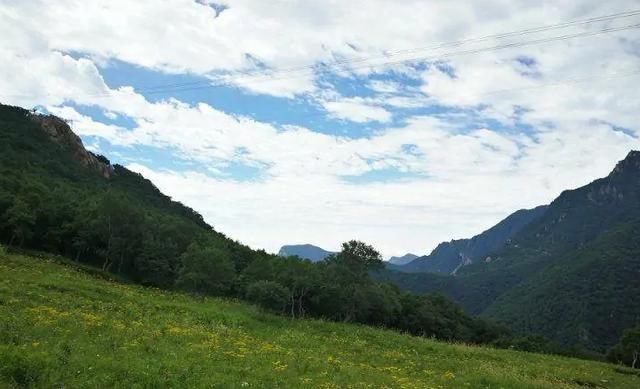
<point x="60" y="132"/>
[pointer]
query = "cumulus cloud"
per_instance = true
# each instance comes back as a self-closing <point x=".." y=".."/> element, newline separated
<point x="490" y="132"/>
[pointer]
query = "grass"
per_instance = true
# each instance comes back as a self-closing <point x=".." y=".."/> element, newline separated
<point x="61" y="326"/>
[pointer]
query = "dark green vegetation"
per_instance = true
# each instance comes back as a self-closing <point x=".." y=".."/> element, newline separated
<point x="627" y="351"/>
<point x="57" y="197"/>
<point x="571" y="274"/>
<point x="71" y="326"/>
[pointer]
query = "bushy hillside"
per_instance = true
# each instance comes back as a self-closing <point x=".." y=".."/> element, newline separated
<point x="64" y="326"/>
<point x="57" y="197"/>
<point x="588" y="298"/>
<point x="570" y="275"/>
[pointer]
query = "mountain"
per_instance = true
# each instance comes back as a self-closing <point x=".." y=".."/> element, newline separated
<point x="57" y="196"/>
<point x="403" y="260"/>
<point x="588" y="297"/>
<point x="570" y="274"/>
<point x="305" y="251"/>
<point x="449" y="257"/>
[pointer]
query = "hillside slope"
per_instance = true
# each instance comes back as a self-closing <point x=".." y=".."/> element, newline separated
<point x="570" y="275"/>
<point x="587" y="298"/>
<point x="62" y="326"/>
<point x="451" y="256"/>
<point x="58" y="197"/>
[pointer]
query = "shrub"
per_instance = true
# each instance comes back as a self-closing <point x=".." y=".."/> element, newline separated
<point x="268" y="294"/>
<point x="206" y="270"/>
<point x="627" y="351"/>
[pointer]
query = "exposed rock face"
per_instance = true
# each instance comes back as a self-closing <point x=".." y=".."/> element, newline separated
<point x="60" y="132"/>
<point x="631" y="164"/>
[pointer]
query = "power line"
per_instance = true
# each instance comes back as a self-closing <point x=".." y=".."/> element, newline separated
<point x="266" y="78"/>
<point x="267" y="75"/>
<point x="457" y="43"/>
<point x="578" y="80"/>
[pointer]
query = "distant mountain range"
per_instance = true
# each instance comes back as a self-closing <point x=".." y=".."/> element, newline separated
<point x="305" y="251"/>
<point x="569" y="271"/>
<point x="317" y="254"/>
<point x="403" y="260"/>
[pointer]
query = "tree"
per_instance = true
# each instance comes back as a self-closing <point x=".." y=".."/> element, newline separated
<point x="627" y="351"/>
<point x="205" y="270"/>
<point x="360" y="254"/>
<point x="155" y="263"/>
<point x="346" y="281"/>
<point x="268" y="294"/>
<point x="20" y="218"/>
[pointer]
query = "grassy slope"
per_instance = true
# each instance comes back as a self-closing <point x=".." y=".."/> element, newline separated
<point x="61" y="325"/>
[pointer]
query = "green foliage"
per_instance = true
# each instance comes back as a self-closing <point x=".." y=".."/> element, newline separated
<point x="269" y="295"/>
<point x="63" y="327"/>
<point x="51" y="201"/>
<point x="358" y="255"/>
<point x="627" y="351"/>
<point x="206" y="270"/>
<point x="585" y="298"/>
<point x="570" y="275"/>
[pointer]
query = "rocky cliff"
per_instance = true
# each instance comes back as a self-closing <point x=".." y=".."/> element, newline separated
<point x="60" y="132"/>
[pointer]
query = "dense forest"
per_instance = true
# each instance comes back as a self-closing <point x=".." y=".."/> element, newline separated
<point x="57" y="197"/>
<point x="570" y="275"/>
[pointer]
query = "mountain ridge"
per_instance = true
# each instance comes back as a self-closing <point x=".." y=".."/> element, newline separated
<point x="449" y="257"/>
<point x="576" y="257"/>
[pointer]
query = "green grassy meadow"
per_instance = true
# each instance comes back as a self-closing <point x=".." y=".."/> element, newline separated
<point x="65" y="326"/>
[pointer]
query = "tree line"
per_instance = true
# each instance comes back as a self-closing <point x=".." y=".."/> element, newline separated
<point x="126" y="226"/>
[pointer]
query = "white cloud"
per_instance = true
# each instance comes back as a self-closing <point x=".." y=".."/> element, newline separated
<point x="356" y="110"/>
<point x="472" y="186"/>
<point x="384" y="86"/>
<point x="186" y="36"/>
<point x="467" y="173"/>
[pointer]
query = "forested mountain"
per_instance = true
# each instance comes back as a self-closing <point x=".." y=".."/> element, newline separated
<point x="449" y="257"/>
<point x="305" y="251"/>
<point x="571" y="274"/>
<point x="588" y="297"/>
<point x="56" y="196"/>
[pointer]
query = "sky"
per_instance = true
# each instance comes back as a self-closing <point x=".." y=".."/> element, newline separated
<point x="402" y="124"/>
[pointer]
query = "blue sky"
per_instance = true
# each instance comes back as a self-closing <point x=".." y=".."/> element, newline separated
<point x="401" y="124"/>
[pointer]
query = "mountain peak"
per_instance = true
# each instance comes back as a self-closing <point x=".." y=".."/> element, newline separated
<point x="630" y="163"/>
<point x="305" y="251"/>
